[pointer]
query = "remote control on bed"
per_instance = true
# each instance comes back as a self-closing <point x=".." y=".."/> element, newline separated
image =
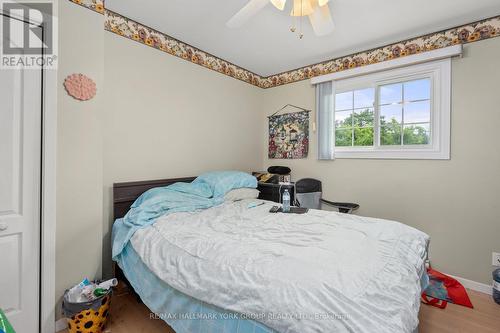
<point x="274" y="209"/>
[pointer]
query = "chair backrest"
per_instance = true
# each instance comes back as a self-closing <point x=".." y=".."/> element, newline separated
<point x="308" y="185"/>
<point x="308" y="192"/>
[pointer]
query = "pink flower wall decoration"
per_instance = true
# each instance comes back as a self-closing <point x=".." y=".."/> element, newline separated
<point x="80" y="86"/>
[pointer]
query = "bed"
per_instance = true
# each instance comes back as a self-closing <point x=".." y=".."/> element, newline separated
<point x="231" y="268"/>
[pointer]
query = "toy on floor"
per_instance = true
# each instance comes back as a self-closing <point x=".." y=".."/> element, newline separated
<point x="443" y="289"/>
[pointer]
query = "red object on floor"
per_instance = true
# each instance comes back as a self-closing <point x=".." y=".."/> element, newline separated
<point x="456" y="292"/>
<point x="438" y="303"/>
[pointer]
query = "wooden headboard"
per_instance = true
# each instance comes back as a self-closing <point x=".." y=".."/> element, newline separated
<point x="124" y="194"/>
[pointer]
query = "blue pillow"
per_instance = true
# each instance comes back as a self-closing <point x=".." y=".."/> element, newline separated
<point x="222" y="182"/>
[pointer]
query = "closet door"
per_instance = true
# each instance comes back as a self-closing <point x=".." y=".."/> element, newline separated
<point x="20" y="157"/>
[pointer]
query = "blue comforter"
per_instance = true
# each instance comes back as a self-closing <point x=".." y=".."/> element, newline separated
<point x="206" y="191"/>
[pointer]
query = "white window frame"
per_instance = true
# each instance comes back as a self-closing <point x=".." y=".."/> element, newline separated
<point x="439" y="72"/>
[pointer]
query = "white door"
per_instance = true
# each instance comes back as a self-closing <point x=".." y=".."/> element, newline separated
<point x="20" y="157"/>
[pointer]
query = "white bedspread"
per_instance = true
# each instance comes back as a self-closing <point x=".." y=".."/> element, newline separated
<point x="317" y="272"/>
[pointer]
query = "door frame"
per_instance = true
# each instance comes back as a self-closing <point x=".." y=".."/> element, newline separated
<point x="49" y="199"/>
<point x="47" y="237"/>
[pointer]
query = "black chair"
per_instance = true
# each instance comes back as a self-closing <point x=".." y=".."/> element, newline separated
<point x="308" y="194"/>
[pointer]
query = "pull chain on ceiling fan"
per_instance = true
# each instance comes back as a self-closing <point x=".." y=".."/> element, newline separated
<point x="317" y="11"/>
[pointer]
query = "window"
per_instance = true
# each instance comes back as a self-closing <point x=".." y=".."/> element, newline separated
<point x="405" y="113"/>
<point x="354" y="117"/>
<point x="399" y="113"/>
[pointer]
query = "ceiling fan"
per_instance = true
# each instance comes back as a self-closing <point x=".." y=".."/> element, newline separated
<point x="317" y="11"/>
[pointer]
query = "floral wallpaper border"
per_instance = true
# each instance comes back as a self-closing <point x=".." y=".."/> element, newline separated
<point x="95" y="5"/>
<point x="128" y="28"/>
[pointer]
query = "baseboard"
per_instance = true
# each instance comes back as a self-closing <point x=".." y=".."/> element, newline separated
<point x="61" y="324"/>
<point x="473" y="285"/>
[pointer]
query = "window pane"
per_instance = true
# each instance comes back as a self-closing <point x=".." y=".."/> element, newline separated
<point x="391" y="114"/>
<point x="343" y="119"/>
<point x="363" y="117"/>
<point x="417" y="90"/>
<point x="363" y="136"/>
<point x="416" y="134"/>
<point x="364" y="98"/>
<point x="390" y="135"/>
<point x="417" y="112"/>
<point x="343" y="101"/>
<point x="391" y="93"/>
<point x="343" y="137"/>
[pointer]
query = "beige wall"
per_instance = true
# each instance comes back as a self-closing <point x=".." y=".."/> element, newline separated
<point x="166" y="117"/>
<point x="457" y="201"/>
<point x="161" y="117"/>
<point x="79" y="150"/>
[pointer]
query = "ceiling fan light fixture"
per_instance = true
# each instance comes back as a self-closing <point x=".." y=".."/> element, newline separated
<point x="280" y="4"/>
<point x="317" y="11"/>
<point x="302" y="8"/>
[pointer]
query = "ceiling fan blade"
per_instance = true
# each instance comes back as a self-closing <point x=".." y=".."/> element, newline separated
<point x="246" y="13"/>
<point x="280" y="4"/>
<point x="321" y="21"/>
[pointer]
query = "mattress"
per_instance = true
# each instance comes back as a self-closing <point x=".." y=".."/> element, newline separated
<point x="316" y="272"/>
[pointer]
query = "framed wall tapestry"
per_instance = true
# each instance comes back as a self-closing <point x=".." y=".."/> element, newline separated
<point x="289" y="134"/>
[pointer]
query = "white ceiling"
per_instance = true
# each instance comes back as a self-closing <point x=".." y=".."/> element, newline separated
<point x="265" y="45"/>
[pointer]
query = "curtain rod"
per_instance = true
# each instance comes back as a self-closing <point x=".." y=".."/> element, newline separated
<point x="294" y="106"/>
